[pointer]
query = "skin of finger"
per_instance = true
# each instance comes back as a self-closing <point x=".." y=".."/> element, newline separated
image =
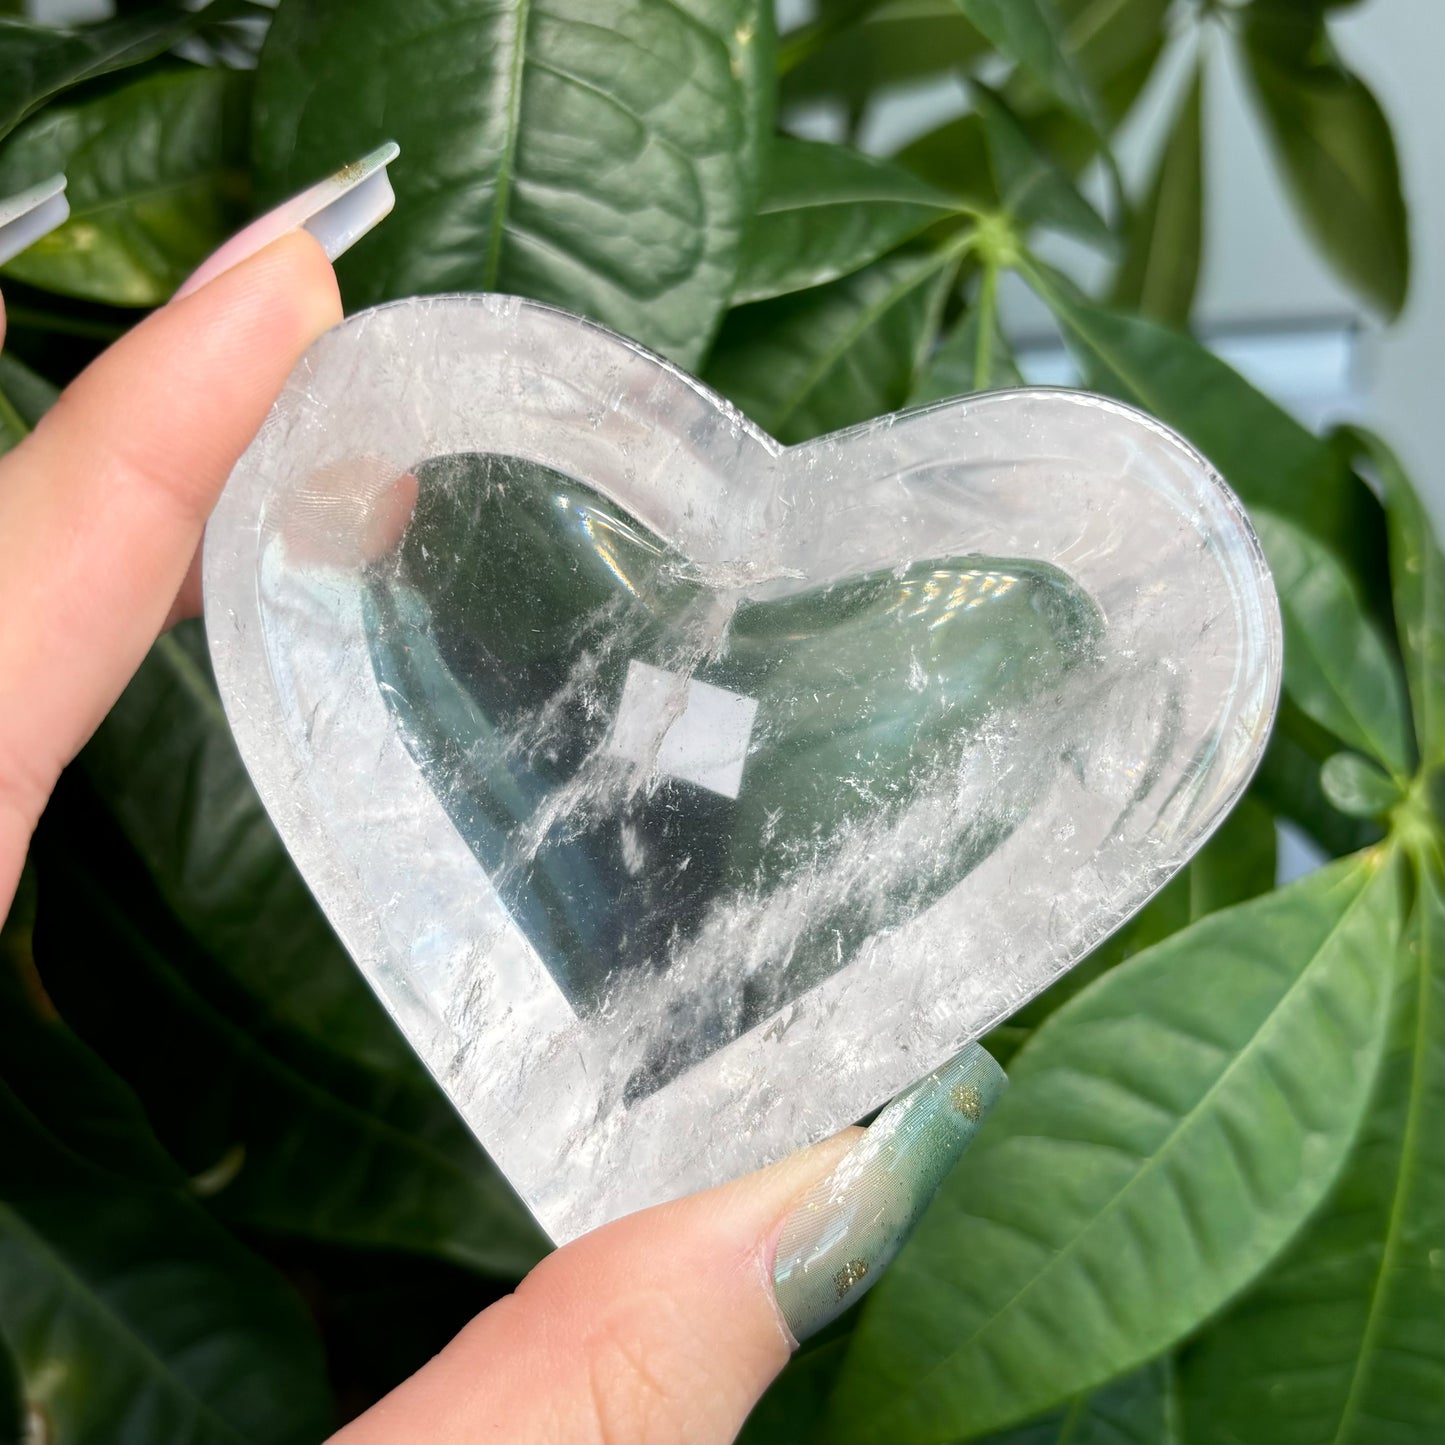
<point x="103" y="505"/>
<point x="658" y="1327"/>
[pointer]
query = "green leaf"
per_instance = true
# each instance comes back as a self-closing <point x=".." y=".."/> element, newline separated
<point x="84" y="1106"/>
<point x="974" y="356"/>
<point x="600" y="154"/>
<point x="1142" y="1408"/>
<point x="1417" y="574"/>
<point x="1160" y="267"/>
<point x="1027" y="33"/>
<point x="1342" y="1340"/>
<point x="1334" y="146"/>
<point x="827" y="211"/>
<point x="156" y="174"/>
<point x="1338" y="668"/>
<point x="817" y="360"/>
<point x="280" y="1135"/>
<point x="1164" y="1136"/>
<point x="1263" y="453"/>
<point x="1288" y="781"/>
<point x="24" y="398"/>
<point x="1237" y="863"/>
<point x="954" y="157"/>
<point x="130" y="1315"/>
<point x="1108" y="39"/>
<point x="853" y="51"/>
<point x="793" y="1405"/>
<point x="1031" y="188"/>
<point x="1357" y="787"/>
<point x="1115" y="45"/>
<point x="40" y="61"/>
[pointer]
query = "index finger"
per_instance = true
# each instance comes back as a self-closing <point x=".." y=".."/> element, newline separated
<point x="102" y="506"/>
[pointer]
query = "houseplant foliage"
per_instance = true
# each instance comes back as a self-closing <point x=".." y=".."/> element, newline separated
<point x="232" y="1206"/>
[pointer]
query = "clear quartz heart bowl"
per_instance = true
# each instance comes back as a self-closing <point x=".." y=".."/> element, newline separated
<point x="682" y="795"/>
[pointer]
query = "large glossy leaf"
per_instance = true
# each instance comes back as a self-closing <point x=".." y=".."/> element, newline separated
<point x="130" y="1315"/>
<point x="1032" y="189"/>
<point x="156" y="174"/>
<point x="1264" y="454"/>
<point x="1343" y="1339"/>
<point x="1160" y="267"/>
<point x="1334" y="146"/>
<point x="600" y="154"/>
<point x="974" y="356"/>
<point x="288" y="1137"/>
<point x="793" y="1407"/>
<point x="24" y="399"/>
<point x="1142" y="1408"/>
<point x="825" y="211"/>
<point x="1164" y="1136"/>
<point x="1417" y="574"/>
<point x="1338" y="668"/>
<point x="41" y="61"/>
<point x="822" y="359"/>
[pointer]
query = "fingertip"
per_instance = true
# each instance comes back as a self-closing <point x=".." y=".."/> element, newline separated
<point x="293" y="269"/>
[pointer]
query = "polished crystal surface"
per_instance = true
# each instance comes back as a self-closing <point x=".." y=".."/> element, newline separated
<point x="684" y="796"/>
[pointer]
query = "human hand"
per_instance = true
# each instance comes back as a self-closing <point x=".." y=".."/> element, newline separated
<point x="666" y="1325"/>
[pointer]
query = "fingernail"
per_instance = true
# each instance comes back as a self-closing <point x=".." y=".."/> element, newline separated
<point x="846" y="1230"/>
<point x="338" y="211"/>
<point x="31" y="214"/>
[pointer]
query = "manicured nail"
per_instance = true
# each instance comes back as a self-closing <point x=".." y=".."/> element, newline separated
<point x="846" y="1230"/>
<point x="338" y="211"/>
<point x="31" y="214"/>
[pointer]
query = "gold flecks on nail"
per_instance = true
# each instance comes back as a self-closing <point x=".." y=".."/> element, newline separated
<point x="849" y="1275"/>
<point x="967" y="1099"/>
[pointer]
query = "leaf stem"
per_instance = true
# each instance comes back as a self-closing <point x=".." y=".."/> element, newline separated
<point x="987" y="314"/>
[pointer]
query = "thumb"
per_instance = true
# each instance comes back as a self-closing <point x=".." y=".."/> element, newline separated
<point x="669" y="1324"/>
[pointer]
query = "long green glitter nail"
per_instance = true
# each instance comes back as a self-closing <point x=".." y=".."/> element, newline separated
<point x="847" y="1229"/>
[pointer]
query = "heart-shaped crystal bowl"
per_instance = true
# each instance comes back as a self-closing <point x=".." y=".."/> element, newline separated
<point x="684" y="795"/>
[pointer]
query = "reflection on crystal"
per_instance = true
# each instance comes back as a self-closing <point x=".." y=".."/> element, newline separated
<point x="653" y="760"/>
